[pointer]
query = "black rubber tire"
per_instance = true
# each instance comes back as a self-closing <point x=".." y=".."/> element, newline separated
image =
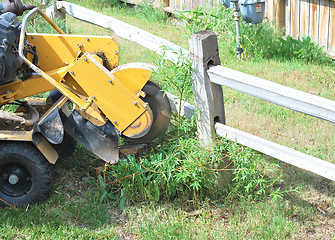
<point x="161" y="109"/>
<point x="32" y="170"/>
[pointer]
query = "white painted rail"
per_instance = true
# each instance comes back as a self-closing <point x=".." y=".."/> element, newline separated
<point x="285" y="154"/>
<point x="161" y="46"/>
<point x="273" y="92"/>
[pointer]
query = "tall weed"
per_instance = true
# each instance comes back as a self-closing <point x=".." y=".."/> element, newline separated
<point x="300" y="49"/>
<point x="260" y="41"/>
<point x="177" y="166"/>
<point x="151" y="13"/>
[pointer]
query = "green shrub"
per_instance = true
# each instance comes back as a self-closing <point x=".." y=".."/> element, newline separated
<point x="302" y="48"/>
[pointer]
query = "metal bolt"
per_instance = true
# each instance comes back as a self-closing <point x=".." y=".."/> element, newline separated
<point x="32" y="37"/>
<point x="83" y="109"/>
<point x="66" y="63"/>
<point x="115" y="122"/>
<point x="72" y="72"/>
<point x="146" y="105"/>
<point x="13" y="179"/>
<point x="85" y="59"/>
<point x="115" y="66"/>
<point x="110" y="81"/>
<point x="79" y="45"/>
<point x="135" y="103"/>
<point x="116" y="52"/>
<point x="87" y="39"/>
<point x="93" y="97"/>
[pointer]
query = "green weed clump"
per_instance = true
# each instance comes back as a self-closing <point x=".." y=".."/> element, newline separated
<point x="177" y="168"/>
<point x="111" y="2"/>
<point x="151" y="13"/>
<point x="259" y="41"/>
<point x="300" y="49"/>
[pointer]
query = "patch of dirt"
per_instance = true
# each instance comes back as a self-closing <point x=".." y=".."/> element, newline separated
<point x="318" y="230"/>
<point x="322" y="225"/>
<point x="9" y="125"/>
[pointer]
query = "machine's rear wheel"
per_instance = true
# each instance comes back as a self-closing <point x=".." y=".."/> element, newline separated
<point x="161" y="109"/>
<point x="25" y="175"/>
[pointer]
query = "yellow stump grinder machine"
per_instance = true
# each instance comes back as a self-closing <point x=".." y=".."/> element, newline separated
<point x="92" y="100"/>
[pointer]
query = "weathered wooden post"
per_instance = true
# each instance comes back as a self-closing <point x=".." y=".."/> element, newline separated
<point x="53" y="12"/>
<point x="208" y="96"/>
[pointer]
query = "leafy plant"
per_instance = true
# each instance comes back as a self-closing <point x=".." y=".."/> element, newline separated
<point x="218" y="19"/>
<point x="175" y="167"/>
<point x="259" y="41"/>
<point x="175" y="78"/>
<point x="38" y="24"/>
<point x="250" y="175"/>
<point x="151" y="13"/>
<point x="302" y="48"/>
<point x="111" y="2"/>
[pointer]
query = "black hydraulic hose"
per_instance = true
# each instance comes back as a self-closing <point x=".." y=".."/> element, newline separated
<point x="35" y="58"/>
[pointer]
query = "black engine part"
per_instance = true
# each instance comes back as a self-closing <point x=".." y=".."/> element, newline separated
<point x="9" y="37"/>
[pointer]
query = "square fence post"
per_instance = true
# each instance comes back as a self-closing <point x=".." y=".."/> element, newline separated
<point x="52" y="12"/>
<point x="207" y="95"/>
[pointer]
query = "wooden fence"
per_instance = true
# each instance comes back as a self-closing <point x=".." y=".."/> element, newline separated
<point x="314" y="18"/>
<point x="209" y="76"/>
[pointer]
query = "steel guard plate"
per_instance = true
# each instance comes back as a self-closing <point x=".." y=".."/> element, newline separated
<point x="102" y="141"/>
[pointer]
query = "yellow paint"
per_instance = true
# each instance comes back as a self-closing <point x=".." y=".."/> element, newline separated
<point x="25" y="136"/>
<point x="136" y="76"/>
<point x="94" y="115"/>
<point x="61" y="101"/>
<point x="47" y="150"/>
<point x="31" y="86"/>
<point x="140" y="126"/>
<point x="120" y="105"/>
<point x="59" y="50"/>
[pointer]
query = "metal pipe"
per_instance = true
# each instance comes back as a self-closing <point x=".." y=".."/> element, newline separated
<point x="237" y="16"/>
<point x="23" y="32"/>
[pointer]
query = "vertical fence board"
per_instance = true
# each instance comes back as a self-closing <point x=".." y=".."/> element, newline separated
<point x="331" y="37"/>
<point x="171" y="4"/>
<point x="288" y="17"/>
<point x="295" y="12"/>
<point x="269" y="8"/>
<point x="314" y="23"/>
<point x="267" y="15"/>
<point x="304" y="17"/>
<point x="195" y="4"/>
<point x="324" y="23"/>
<point x="189" y="5"/>
<point x="278" y="12"/>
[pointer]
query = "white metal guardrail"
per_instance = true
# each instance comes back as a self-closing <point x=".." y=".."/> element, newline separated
<point x="209" y="76"/>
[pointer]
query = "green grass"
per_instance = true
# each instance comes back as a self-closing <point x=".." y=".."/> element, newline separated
<point x="84" y="205"/>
